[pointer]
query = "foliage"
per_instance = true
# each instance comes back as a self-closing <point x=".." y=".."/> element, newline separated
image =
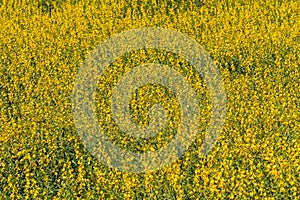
<point x="256" y="46"/>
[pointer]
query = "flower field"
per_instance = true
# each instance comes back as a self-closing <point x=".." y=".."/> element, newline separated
<point x="254" y="44"/>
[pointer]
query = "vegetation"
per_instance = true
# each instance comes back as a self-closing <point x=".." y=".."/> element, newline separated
<point x="255" y="45"/>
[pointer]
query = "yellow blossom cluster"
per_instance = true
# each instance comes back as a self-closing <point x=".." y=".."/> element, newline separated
<point x="254" y="44"/>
